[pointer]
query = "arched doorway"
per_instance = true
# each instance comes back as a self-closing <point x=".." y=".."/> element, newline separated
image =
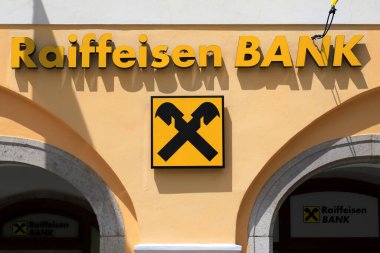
<point x="334" y="154"/>
<point x="336" y="210"/>
<point x="55" y="192"/>
<point x="41" y="212"/>
<point x="47" y="225"/>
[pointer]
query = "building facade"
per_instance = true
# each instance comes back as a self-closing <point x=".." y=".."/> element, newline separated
<point x="296" y="165"/>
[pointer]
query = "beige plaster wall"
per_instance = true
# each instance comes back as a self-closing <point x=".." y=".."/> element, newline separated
<point x="265" y="112"/>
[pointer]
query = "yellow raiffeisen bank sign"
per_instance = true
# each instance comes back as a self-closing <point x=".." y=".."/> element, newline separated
<point x="183" y="56"/>
<point x="187" y="132"/>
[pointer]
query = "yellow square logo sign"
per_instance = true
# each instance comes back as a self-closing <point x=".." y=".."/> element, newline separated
<point x="311" y="214"/>
<point x="187" y="132"/>
<point x="20" y="228"/>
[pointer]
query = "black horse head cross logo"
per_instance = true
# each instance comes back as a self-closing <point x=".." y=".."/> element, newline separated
<point x="187" y="131"/>
<point x="311" y="214"/>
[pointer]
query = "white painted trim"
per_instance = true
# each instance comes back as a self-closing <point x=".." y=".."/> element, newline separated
<point x="186" y="12"/>
<point x="187" y="248"/>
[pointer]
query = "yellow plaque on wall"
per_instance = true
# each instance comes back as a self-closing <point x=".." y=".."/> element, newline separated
<point x="311" y="214"/>
<point x="20" y="228"/>
<point x="187" y="132"/>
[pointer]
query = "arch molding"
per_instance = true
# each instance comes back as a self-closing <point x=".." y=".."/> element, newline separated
<point x="81" y="176"/>
<point x="349" y="150"/>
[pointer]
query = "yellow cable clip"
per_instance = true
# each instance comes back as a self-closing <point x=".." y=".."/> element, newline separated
<point x="333" y="3"/>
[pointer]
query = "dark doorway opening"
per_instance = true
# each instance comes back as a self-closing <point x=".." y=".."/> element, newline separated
<point x="47" y="225"/>
<point x="336" y="211"/>
<point x="41" y="212"/>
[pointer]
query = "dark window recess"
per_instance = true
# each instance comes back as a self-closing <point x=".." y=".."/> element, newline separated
<point x="287" y="244"/>
<point x="47" y="224"/>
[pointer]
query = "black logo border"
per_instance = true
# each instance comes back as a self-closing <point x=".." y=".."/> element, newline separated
<point x="185" y="167"/>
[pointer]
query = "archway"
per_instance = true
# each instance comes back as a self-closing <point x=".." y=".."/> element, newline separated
<point x="80" y="176"/>
<point x="334" y="211"/>
<point x="350" y="150"/>
<point x="47" y="222"/>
